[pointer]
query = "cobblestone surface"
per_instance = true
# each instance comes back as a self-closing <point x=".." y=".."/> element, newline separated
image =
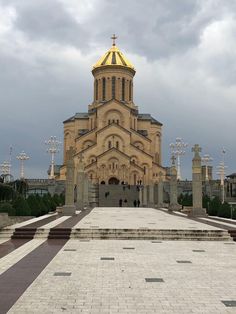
<point x="119" y="285"/>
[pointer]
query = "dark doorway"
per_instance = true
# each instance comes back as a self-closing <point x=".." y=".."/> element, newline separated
<point x="113" y="180"/>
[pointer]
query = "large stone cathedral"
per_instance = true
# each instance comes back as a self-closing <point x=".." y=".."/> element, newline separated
<point x="119" y="145"/>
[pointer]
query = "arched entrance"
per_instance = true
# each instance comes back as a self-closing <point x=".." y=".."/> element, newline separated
<point x="113" y="180"/>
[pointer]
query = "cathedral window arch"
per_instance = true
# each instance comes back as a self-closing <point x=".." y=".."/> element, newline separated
<point x="109" y="144"/>
<point x="123" y="89"/>
<point x="103" y="88"/>
<point x="113" y="87"/>
<point x="117" y="144"/>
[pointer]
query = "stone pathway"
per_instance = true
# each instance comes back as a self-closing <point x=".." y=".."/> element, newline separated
<point x="120" y="276"/>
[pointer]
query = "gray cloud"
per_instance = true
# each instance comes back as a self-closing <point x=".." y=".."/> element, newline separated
<point x="185" y="70"/>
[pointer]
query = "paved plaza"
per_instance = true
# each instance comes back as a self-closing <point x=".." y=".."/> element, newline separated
<point x="120" y="276"/>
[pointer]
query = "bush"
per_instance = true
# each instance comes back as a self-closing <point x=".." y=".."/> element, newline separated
<point x="4" y="207"/>
<point x="6" y="192"/>
<point x="34" y="205"/>
<point x="214" y="207"/>
<point x="21" y="207"/>
<point x="185" y="200"/>
<point x="224" y="211"/>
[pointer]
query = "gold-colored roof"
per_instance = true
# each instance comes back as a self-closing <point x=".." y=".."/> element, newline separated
<point x="113" y="57"/>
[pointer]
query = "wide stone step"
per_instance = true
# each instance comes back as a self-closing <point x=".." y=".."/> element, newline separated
<point x="232" y="234"/>
<point x="148" y="234"/>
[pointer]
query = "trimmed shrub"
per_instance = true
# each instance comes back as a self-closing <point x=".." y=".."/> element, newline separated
<point x="5" y="207"/>
<point x="34" y="205"/>
<point x="21" y="206"/>
<point x="214" y="207"/>
<point x="224" y="211"/>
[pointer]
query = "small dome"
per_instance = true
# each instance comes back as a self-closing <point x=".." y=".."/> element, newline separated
<point x="113" y="57"/>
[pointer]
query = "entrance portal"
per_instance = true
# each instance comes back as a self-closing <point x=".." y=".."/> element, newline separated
<point x="113" y="180"/>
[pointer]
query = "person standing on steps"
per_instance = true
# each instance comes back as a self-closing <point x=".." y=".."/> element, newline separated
<point x="138" y="202"/>
<point x="135" y="203"/>
<point x="120" y="202"/>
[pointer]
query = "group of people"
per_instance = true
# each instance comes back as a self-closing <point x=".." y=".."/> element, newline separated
<point x="135" y="202"/>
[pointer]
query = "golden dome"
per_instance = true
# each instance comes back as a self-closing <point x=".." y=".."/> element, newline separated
<point x="113" y="57"/>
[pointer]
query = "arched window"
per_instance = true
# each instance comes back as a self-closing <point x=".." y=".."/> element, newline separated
<point x="123" y="89"/>
<point x="144" y="168"/>
<point x="103" y="88"/>
<point x="113" y="87"/>
<point x="96" y="90"/>
<point x="117" y="144"/>
<point x="109" y="144"/>
<point x="130" y="90"/>
<point x="117" y="121"/>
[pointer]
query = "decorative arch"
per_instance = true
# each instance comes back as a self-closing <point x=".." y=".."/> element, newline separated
<point x="134" y="159"/>
<point x="87" y="144"/>
<point x="113" y="116"/>
<point x="113" y="164"/>
<point x="67" y="140"/>
<point x="113" y="140"/>
<point x="139" y="145"/>
<point x="113" y="180"/>
<point x="91" y="159"/>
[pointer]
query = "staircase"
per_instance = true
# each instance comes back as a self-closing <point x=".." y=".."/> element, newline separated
<point x="151" y="234"/>
<point x="24" y="233"/>
<point x="59" y="233"/>
<point x="109" y="195"/>
<point x="232" y="234"/>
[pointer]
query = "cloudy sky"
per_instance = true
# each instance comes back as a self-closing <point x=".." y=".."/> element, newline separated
<point x="184" y="52"/>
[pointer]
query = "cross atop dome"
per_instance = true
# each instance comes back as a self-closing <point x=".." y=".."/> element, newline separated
<point x="114" y="37"/>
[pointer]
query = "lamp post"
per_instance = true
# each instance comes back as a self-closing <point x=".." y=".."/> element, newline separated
<point x="221" y="172"/>
<point x="177" y="149"/>
<point x="53" y="144"/>
<point x="206" y="159"/>
<point x="22" y="157"/>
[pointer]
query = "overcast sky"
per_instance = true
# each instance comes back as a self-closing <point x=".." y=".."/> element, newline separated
<point x="184" y="52"/>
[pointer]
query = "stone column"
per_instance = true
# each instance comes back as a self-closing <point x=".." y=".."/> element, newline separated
<point x="160" y="191"/>
<point x="197" y="209"/>
<point x="69" y="207"/>
<point x="151" y="196"/>
<point x="145" y="196"/>
<point x="173" y="186"/>
<point x="80" y="184"/>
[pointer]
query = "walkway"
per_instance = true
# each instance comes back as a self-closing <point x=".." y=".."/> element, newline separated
<point x="120" y="276"/>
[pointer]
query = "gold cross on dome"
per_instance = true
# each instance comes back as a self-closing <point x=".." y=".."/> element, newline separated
<point x="114" y="37"/>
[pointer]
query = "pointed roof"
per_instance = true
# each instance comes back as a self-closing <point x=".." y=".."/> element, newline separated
<point x="114" y="57"/>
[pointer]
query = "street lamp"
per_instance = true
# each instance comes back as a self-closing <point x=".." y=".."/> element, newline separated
<point x="22" y="157"/>
<point x="53" y="144"/>
<point x="221" y="172"/>
<point x="207" y="159"/>
<point x="177" y="149"/>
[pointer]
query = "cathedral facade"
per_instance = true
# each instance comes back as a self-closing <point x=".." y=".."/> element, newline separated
<point x="117" y="143"/>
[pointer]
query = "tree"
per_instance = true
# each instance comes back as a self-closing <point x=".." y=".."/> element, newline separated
<point x="225" y="210"/>
<point x="214" y="206"/>
<point x="6" y="192"/>
<point x="34" y="205"/>
<point x="21" y="206"/>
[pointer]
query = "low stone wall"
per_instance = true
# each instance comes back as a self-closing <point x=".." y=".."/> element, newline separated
<point x="6" y="220"/>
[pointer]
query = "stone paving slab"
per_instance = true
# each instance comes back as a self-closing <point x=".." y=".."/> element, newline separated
<point x="118" y="283"/>
<point x="9" y="260"/>
<point x="30" y="221"/>
<point x="135" y="218"/>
